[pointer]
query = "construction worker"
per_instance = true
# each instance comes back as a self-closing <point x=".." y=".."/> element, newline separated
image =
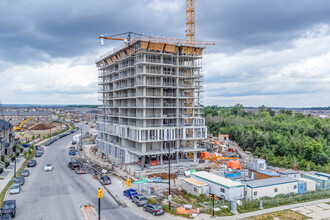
<point x="174" y="181"/>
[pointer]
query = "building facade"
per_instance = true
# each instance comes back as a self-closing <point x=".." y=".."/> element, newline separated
<point x="271" y="187"/>
<point x="151" y="101"/>
<point x="15" y="117"/>
<point x="7" y="138"/>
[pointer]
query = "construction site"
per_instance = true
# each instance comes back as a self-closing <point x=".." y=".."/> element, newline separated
<point x="31" y="129"/>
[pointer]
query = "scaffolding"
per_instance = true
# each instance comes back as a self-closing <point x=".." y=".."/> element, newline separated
<point x="151" y="99"/>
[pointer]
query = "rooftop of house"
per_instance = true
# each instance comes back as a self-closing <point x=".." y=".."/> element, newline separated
<point x="269" y="182"/>
<point x="4" y="125"/>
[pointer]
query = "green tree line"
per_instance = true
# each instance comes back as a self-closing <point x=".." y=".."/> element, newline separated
<point x="283" y="139"/>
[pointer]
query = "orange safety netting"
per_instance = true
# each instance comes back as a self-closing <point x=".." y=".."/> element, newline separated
<point x="234" y="164"/>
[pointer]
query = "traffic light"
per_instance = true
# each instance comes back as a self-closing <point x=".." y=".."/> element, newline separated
<point x="213" y="196"/>
<point x="129" y="182"/>
<point x="100" y="193"/>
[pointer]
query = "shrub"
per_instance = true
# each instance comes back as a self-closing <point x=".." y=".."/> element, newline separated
<point x="3" y="158"/>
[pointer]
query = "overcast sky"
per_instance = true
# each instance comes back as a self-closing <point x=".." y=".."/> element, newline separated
<point x="274" y="53"/>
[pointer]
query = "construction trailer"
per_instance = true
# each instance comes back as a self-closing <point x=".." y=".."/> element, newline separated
<point x="322" y="183"/>
<point x="195" y="187"/>
<point x="151" y="94"/>
<point x="224" y="188"/>
<point x="270" y="187"/>
<point x="289" y="173"/>
<point x="261" y="174"/>
<point x="326" y="175"/>
<point x="310" y="184"/>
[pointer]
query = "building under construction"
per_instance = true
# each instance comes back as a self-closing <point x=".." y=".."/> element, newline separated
<point x="151" y="100"/>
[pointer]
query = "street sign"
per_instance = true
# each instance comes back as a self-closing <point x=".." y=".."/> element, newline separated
<point x="169" y="197"/>
<point x="100" y="193"/>
<point x="140" y="181"/>
<point x="129" y="182"/>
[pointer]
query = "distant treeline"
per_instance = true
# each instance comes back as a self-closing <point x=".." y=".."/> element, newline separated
<point x="82" y="106"/>
<point x="283" y="139"/>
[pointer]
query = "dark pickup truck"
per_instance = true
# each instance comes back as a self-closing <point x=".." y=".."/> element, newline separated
<point x="73" y="165"/>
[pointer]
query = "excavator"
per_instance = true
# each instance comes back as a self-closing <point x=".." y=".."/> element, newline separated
<point x="18" y="128"/>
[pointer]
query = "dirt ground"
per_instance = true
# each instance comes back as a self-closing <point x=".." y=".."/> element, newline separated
<point x="285" y="214"/>
<point x="37" y="129"/>
<point x="162" y="175"/>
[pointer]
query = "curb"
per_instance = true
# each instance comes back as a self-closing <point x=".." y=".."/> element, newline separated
<point x="115" y="197"/>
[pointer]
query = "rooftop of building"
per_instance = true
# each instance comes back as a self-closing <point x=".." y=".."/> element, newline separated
<point x="268" y="173"/>
<point x="216" y="179"/>
<point x="288" y="172"/>
<point x="326" y="175"/>
<point x="23" y="113"/>
<point x="4" y="125"/>
<point x="270" y="182"/>
<point x="195" y="182"/>
<point x="314" y="177"/>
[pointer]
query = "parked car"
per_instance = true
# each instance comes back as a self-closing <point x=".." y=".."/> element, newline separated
<point x="140" y="200"/>
<point x="74" y="142"/>
<point x="155" y="180"/>
<point x="25" y="145"/>
<point x="15" y="188"/>
<point x="32" y="163"/>
<point x="37" y="147"/>
<point x="154" y="208"/>
<point x="72" y="152"/>
<point x="38" y="154"/>
<point x="6" y="217"/>
<point x="130" y="193"/>
<point x="105" y="180"/>
<point x="25" y="173"/>
<point x="20" y="180"/>
<point x="72" y="131"/>
<point x="73" y="165"/>
<point x="9" y="207"/>
<point x="48" y="167"/>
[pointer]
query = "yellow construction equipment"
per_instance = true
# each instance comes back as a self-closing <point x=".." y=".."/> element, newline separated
<point x="18" y="128"/>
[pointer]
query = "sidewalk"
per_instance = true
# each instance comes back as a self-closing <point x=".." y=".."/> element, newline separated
<point x="8" y="173"/>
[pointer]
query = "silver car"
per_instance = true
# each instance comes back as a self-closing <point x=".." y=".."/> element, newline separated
<point x="15" y="188"/>
<point x="140" y="200"/>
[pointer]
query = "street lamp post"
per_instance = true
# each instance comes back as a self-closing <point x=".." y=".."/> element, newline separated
<point x="169" y="177"/>
<point x="15" y="163"/>
<point x="50" y="129"/>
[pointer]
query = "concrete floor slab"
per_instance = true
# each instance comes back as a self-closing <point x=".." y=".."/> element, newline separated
<point x="314" y="208"/>
<point x="323" y="206"/>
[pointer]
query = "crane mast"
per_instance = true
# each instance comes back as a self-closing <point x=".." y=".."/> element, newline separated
<point x="190" y="21"/>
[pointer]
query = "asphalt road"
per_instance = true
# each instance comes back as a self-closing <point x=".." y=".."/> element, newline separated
<point x="60" y="193"/>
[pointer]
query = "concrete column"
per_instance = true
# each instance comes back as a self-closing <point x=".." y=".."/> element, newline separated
<point x="177" y="157"/>
<point x="161" y="159"/>
<point x="195" y="157"/>
<point x="143" y="161"/>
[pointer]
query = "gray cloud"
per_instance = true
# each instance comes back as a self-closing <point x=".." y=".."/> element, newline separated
<point x="257" y="51"/>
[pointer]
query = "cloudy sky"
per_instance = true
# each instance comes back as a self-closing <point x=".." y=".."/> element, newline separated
<point x="274" y="53"/>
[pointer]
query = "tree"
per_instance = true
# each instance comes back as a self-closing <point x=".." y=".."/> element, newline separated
<point x="271" y="112"/>
<point x="238" y="110"/>
<point x="262" y="108"/>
